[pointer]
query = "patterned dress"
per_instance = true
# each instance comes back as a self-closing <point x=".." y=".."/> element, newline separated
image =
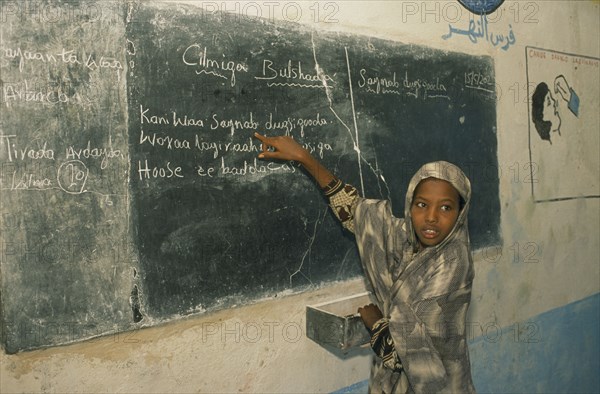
<point x="423" y="293"/>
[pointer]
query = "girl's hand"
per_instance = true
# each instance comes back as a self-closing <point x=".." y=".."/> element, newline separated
<point x="370" y="314"/>
<point x="281" y="148"/>
<point x="286" y="148"/>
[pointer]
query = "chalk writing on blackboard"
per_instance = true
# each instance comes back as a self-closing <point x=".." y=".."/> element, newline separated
<point x="135" y="140"/>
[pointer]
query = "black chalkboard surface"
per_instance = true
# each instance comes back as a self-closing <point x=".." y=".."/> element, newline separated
<point x="67" y="265"/>
<point x="205" y="225"/>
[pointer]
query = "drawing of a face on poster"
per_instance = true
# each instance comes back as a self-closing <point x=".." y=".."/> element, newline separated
<point x="550" y="113"/>
<point x="563" y="133"/>
<point x="545" y="109"/>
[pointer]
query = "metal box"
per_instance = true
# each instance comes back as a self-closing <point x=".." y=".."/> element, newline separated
<point x="336" y="323"/>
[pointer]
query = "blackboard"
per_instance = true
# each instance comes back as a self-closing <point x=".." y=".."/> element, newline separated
<point x="190" y="220"/>
<point x="66" y="261"/>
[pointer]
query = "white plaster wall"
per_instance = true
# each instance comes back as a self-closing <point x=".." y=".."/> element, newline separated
<point x="258" y="348"/>
<point x="212" y="354"/>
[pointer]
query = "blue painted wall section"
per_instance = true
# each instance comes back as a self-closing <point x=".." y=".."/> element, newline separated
<point x="555" y="352"/>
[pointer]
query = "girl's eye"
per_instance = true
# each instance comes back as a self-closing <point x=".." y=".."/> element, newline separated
<point x="446" y="208"/>
<point x="420" y="204"/>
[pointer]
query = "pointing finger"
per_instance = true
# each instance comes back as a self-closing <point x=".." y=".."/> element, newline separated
<point x="260" y="137"/>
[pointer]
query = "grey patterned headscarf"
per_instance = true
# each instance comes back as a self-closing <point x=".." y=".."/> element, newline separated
<point x="425" y="293"/>
<point x="452" y="174"/>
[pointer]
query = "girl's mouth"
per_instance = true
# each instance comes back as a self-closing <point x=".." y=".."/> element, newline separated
<point x="429" y="233"/>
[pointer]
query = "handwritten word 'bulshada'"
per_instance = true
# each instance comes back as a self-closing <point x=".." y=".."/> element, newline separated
<point x="69" y="57"/>
<point x="482" y="32"/>
<point x="197" y="56"/>
<point x="292" y="76"/>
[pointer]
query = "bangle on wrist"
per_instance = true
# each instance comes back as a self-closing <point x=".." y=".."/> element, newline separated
<point x="333" y="187"/>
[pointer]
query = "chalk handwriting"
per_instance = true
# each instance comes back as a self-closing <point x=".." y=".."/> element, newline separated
<point x="289" y="124"/>
<point x="214" y="147"/>
<point x="103" y="62"/>
<point x="497" y="40"/>
<point x="254" y="168"/>
<point x="24" y="55"/>
<point x="223" y="147"/>
<point x="197" y="56"/>
<point x="90" y="152"/>
<point x="72" y="177"/>
<point x="317" y="147"/>
<point x="316" y="121"/>
<point x="30" y="182"/>
<point x="8" y="147"/>
<point x="146" y="117"/>
<point x="68" y="57"/>
<point x="378" y="85"/>
<point x="167" y="142"/>
<point x="203" y="172"/>
<point x="479" y="81"/>
<point x="217" y="149"/>
<point x="24" y="93"/>
<point x="233" y="124"/>
<point x="168" y="171"/>
<point x="292" y="76"/>
<point x="186" y="122"/>
<point x="424" y="89"/>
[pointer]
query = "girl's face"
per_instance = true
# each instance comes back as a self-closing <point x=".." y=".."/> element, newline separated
<point x="435" y="208"/>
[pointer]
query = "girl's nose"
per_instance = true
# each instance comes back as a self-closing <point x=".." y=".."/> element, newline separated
<point x="431" y="216"/>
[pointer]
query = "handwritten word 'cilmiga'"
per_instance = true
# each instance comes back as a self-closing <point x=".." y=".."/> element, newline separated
<point x="479" y="30"/>
<point x="196" y="56"/>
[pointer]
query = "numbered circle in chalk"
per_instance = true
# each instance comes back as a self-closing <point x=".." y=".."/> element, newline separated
<point x="72" y="176"/>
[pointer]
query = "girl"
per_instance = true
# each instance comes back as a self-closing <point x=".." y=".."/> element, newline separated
<point x="420" y="269"/>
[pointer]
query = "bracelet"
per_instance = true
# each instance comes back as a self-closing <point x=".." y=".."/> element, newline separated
<point x="333" y="187"/>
